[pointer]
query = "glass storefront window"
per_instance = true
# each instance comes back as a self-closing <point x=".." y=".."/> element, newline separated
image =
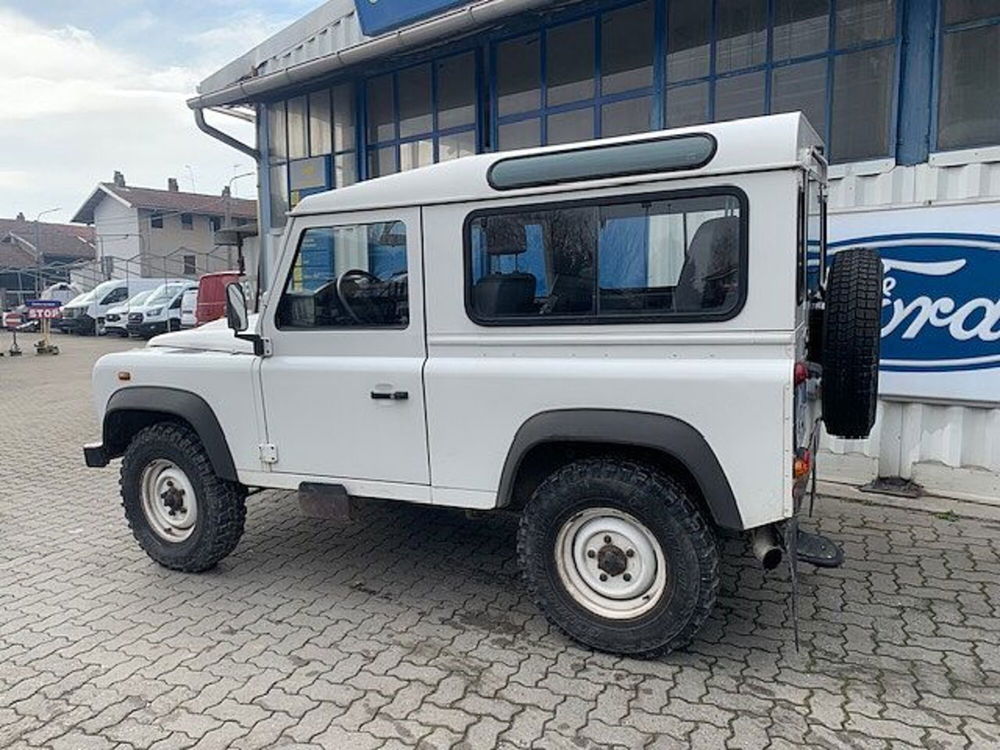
<point x="739" y="96"/>
<point x="860" y="21"/>
<point x="276" y="132"/>
<point x="518" y="71"/>
<point x="320" y="141"/>
<point x="566" y="127"/>
<point x="569" y="53"/>
<point x="780" y="56"/>
<point x="801" y="87"/>
<point x="742" y="32"/>
<point x="456" y="90"/>
<point x="862" y="104"/>
<point x="626" y="117"/>
<point x="801" y="27"/>
<point x="689" y="29"/>
<point x="381" y="110"/>
<point x="343" y="118"/>
<point x="297" y="128"/>
<point x="969" y="77"/>
<point x="413" y="86"/>
<point x="627" y="48"/>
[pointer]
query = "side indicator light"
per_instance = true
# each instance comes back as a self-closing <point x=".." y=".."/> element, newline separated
<point x="124" y="375"/>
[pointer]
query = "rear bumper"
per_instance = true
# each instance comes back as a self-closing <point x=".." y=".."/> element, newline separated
<point x="95" y="456"/>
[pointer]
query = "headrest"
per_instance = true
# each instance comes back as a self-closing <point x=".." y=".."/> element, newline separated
<point x="505" y="236"/>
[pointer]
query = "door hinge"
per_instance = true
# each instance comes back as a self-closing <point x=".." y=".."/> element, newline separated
<point x="268" y="453"/>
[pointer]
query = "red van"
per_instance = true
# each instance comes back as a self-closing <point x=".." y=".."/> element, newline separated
<point x="212" y="295"/>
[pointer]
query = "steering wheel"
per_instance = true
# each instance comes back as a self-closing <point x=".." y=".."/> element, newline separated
<point x="342" y="295"/>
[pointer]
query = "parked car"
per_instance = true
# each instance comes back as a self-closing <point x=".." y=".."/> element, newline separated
<point x="189" y="305"/>
<point x="617" y="340"/>
<point x="161" y="312"/>
<point x="116" y="318"/>
<point x="86" y="314"/>
<point x="212" y="295"/>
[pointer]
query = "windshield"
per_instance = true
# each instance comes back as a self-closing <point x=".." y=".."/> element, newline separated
<point x="81" y="299"/>
<point x="139" y="298"/>
<point x="165" y="293"/>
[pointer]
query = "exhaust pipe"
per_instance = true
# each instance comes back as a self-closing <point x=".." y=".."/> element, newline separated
<point x="766" y="547"/>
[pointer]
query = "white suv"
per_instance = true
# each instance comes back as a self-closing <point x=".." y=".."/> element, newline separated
<point x="624" y="341"/>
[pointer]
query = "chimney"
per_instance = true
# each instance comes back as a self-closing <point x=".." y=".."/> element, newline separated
<point x="172" y="184"/>
<point x="119" y="179"/>
<point x="225" y="192"/>
<point x="20" y="216"/>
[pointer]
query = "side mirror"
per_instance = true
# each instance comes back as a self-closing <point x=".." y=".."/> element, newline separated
<point x="236" y="308"/>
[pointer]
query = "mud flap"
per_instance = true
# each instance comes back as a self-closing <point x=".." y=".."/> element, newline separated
<point x="329" y="502"/>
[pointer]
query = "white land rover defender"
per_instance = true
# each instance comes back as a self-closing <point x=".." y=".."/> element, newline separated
<point x="624" y="341"/>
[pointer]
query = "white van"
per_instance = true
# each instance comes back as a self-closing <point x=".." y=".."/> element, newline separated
<point x="189" y="308"/>
<point x="161" y="312"/>
<point x="116" y="319"/>
<point x="86" y="314"/>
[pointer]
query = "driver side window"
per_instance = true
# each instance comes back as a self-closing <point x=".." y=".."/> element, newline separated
<point x="349" y="276"/>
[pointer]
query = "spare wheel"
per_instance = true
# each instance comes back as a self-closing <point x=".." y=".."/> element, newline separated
<point x="851" y="336"/>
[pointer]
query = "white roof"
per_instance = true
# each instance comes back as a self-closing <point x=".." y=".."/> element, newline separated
<point x="750" y="145"/>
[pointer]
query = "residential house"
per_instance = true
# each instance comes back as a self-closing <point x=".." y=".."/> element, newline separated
<point x="34" y="254"/>
<point x="151" y="232"/>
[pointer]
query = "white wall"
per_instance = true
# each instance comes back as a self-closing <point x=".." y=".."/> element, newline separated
<point x="951" y="449"/>
<point x="117" y="229"/>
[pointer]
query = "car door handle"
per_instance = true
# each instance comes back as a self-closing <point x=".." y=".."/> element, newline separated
<point x="390" y="395"/>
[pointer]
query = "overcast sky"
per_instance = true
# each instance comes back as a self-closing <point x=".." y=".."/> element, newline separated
<point x="91" y="86"/>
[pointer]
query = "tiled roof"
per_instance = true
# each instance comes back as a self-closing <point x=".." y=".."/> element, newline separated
<point x="195" y="203"/>
<point x="17" y="241"/>
<point x="172" y="201"/>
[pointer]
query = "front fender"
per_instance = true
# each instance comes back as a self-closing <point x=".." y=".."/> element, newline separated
<point x="130" y="409"/>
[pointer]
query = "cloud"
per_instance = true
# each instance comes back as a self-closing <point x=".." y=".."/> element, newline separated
<point x="76" y="110"/>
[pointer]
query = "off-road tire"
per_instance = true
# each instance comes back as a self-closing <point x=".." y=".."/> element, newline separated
<point x="851" y="343"/>
<point x="221" y="504"/>
<point x="664" y="506"/>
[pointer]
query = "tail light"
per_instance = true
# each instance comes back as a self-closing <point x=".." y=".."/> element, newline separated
<point x="800" y="373"/>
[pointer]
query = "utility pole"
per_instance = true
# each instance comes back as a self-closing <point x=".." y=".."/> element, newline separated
<point x="38" y="251"/>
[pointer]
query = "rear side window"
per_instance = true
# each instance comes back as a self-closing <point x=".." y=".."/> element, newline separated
<point x="677" y="256"/>
<point x="349" y="276"/>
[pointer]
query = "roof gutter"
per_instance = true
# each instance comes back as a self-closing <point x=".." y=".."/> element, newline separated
<point x="199" y="118"/>
<point x="458" y="21"/>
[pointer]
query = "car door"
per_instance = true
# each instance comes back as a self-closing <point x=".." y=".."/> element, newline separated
<point x="343" y="386"/>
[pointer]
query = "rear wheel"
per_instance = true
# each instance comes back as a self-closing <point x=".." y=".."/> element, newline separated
<point x="183" y="516"/>
<point x="617" y="555"/>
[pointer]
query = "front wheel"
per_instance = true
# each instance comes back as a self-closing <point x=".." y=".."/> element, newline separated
<point x="616" y="555"/>
<point x="183" y="516"/>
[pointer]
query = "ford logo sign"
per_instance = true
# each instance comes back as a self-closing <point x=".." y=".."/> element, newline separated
<point x="940" y="300"/>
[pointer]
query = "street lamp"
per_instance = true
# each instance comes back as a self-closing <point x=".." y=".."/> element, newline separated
<point x="38" y="250"/>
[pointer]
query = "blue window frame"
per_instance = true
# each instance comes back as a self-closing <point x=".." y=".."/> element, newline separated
<point x="837" y="60"/>
<point x="967" y="74"/>
<point x="582" y="78"/>
<point x="422" y="113"/>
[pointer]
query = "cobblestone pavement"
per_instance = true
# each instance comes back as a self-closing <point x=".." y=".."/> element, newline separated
<point x="410" y="628"/>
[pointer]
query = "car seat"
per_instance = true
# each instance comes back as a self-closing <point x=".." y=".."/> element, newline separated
<point x="709" y="280"/>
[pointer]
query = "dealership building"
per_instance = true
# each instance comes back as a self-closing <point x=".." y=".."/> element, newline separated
<point x="906" y="94"/>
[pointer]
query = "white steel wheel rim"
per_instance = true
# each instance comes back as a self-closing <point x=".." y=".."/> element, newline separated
<point x="169" y="501"/>
<point x="610" y="563"/>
